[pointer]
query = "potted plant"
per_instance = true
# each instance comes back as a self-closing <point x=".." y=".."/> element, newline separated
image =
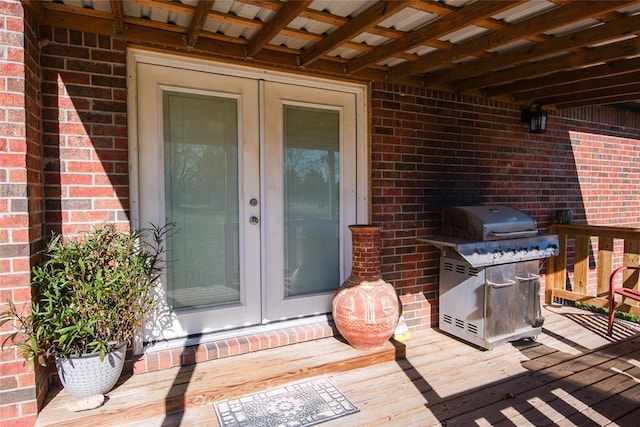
<point x="90" y="296"/>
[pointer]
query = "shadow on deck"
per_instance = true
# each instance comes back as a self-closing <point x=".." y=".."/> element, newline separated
<point x="572" y="375"/>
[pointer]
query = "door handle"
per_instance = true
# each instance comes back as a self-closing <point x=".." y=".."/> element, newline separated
<point x="253" y="220"/>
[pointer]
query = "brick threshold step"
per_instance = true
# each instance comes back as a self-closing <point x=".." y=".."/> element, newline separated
<point x="176" y="390"/>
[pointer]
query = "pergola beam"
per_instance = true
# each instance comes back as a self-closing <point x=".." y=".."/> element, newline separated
<point x="554" y="18"/>
<point x="197" y="21"/>
<point x="118" y="17"/>
<point x="447" y="24"/>
<point x="287" y="13"/>
<point x="571" y="42"/>
<point x="367" y="19"/>
<point x="607" y="70"/>
<point x="571" y="61"/>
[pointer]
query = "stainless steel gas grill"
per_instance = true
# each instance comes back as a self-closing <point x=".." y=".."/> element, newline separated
<point x="489" y="274"/>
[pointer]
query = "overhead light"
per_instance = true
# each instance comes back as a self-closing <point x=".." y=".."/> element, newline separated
<point x="536" y="117"/>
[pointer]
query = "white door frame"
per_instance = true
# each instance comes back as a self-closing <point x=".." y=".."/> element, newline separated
<point x="137" y="56"/>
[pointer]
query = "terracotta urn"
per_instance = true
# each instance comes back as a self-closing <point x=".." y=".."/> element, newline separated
<point x="366" y="308"/>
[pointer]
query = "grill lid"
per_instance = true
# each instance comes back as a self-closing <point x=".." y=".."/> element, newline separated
<point x="491" y="235"/>
<point x="484" y="223"/>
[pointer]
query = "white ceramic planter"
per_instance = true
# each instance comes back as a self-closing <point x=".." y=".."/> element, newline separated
<point x="87" y="375"/>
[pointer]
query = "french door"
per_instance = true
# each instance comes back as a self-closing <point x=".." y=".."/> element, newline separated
<point x="259" y="178"/>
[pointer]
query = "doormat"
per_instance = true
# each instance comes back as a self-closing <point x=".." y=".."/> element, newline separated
<point x="300" y="404"/>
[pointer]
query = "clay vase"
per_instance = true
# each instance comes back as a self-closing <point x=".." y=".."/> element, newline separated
<point x="365" y="307"/>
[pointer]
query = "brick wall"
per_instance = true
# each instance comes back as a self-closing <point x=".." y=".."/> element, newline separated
<point x="606" y="153"/>
<point x="64" y="152"/>
<point x="429" y="150"/>
<point x="84" y="130"/>
<point x="35" y="179"/>
<point x="21" y="386"/>
<point x="433" y="149"/>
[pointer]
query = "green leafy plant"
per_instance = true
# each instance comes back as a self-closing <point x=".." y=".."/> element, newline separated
<point x="604" y="310"/>
<point x="90" y="294"/>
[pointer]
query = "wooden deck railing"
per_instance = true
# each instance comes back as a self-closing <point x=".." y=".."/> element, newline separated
<point x="615" y="245"/>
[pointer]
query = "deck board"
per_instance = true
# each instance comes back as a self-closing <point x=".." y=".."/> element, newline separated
<point x="572" y="375"/>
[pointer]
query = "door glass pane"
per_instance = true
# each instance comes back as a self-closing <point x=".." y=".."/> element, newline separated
<point x="201" y="197"/>
<point x="311" y="200"/>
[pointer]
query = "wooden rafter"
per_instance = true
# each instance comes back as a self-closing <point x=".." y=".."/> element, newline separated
<point x="522" y="53"/>
<point x="571" y="61"/>
<point x="197" y="21"/>
<point x="118" y="17"/>
<point x="172" y="41"/>
<point x="608" y="70"/>
<point x="35" y="7"/>
<point x="185" y="9"/>
<point x="554" y="18"/>
<point x="566" y="43"/>
<point x="447" y="24"/>
<point x="614" y="99"/>
<point x="287" y="13"/>
<point x="437" y="8"/>
<point x="368" y="19"/>
<point x="577" y="87"/>
<point x="592" y="94"/>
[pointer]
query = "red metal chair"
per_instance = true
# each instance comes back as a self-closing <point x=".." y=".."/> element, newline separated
<point x="625" y="292"/>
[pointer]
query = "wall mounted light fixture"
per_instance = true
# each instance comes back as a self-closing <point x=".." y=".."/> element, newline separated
<point x="535" y="117"/>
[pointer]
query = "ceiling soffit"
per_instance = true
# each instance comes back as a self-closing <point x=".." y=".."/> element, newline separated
<point x="561" y="53"/>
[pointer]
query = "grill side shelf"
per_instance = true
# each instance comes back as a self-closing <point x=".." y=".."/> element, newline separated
<point x="494" y="252"/>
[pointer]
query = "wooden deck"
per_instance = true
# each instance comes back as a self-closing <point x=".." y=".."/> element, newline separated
<point x="573" y="375"/>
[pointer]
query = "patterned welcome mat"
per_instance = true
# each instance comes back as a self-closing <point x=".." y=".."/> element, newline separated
<point x="301" y="404"/>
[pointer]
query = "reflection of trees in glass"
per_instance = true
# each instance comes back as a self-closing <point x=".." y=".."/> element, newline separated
<point x="201" y="132"/>
<point x="311" y="160"/>
<point x="201" y="196"/>
<point x="312" y="178"/>
<point x="198" y="175"/>
<point x="307" y="176"/>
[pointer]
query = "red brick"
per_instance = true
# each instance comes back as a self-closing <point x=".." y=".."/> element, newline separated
<point x="13" y="69"/>
<point x="8" y="411"/>
<point x="15" y="221"/>
<point x="153" y="363"/>
<point x="139" y="366"/>
<point x="30" y="409"/>
<point x="70" y="129"/>
<point x="76" y="179"/>
<point x="27" y="379"/>
<point x="165" y="360"/>
<point x="14" y="368"/>
<point x="115" y="204"/>
<point x="9" y="100"/>
<point x="20" y="264"/>
<point x="96" y="167"/>
<point x="20" y="422"/>
<point x="94" y="191"/>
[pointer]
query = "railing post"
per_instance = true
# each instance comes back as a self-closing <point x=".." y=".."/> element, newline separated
<point x="550" y="282"/>
<point x="632" y="258"/>
<point x="556" y="267"/>
<point x="605" y="264"/>
<point x="581" y="264"/>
